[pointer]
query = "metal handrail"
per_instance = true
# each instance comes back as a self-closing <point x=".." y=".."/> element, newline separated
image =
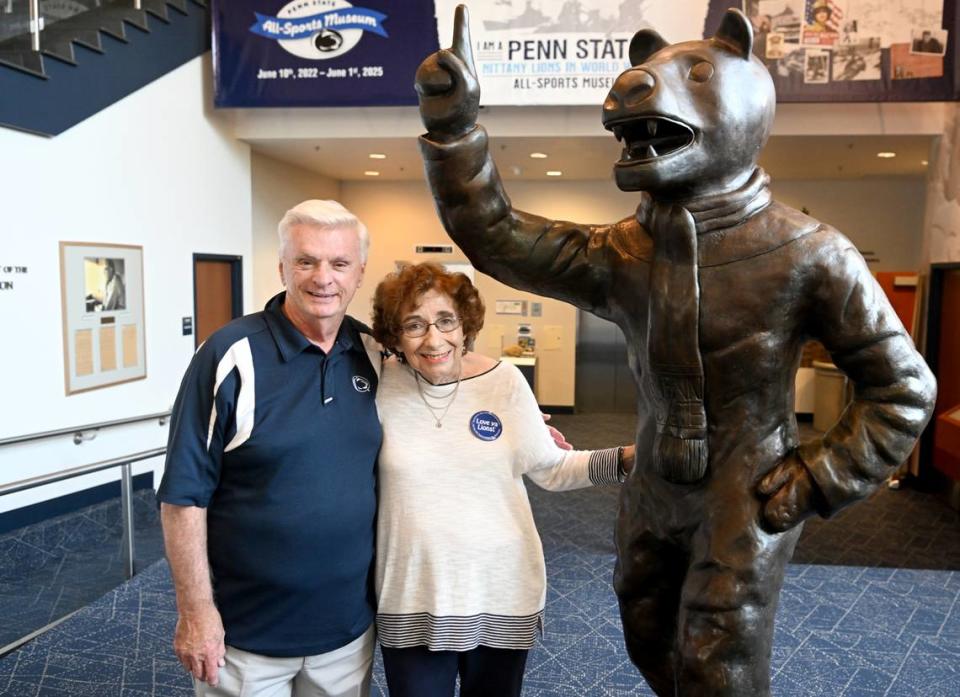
<point x="53" y="477"/>
<point x="126" y="491"/>
<point x="125" y="464"/>
<point x="78" y="431"/>
<point x="36" y="25"/>
<point x="126" y="508"/>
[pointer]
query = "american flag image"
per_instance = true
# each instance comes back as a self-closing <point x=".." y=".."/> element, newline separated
<point x="836" y="13"/>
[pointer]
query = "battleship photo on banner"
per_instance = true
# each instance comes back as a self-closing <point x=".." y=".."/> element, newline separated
<point x="319" y="52"/>
<point x="558" y="51"/>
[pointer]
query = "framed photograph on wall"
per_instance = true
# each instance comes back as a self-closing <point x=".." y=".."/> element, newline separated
<point x="101" y="288"/>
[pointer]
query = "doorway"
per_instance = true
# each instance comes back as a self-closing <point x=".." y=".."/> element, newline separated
<point x="943" y="347"/>
<point x="604" y="382"/>
<point x="217" y="292"/>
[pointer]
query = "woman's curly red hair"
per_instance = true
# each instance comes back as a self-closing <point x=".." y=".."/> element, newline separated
<point x="399" y="292"/>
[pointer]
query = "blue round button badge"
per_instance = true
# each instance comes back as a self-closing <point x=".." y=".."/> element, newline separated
<point x="485" y="425"/>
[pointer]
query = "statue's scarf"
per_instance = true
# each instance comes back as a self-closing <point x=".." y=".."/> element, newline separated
<point x="673" y="336"/>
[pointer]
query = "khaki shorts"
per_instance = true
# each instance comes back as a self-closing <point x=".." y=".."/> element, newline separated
<point x="343" y="672"/>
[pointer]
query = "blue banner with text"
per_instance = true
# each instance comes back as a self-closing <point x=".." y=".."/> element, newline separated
<point x="284" y="53"/>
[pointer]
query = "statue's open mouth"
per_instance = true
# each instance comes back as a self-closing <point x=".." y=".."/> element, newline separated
<point x="648" y="138"/>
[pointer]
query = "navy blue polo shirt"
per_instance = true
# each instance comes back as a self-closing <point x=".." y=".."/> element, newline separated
<point x="279" y="441"/>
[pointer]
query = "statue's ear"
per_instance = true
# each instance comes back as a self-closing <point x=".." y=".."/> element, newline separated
<point x="736" y="33"/>
<point x="644" y="44"/>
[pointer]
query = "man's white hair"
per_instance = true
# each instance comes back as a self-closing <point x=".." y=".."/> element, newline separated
<point x="326" y="215"/>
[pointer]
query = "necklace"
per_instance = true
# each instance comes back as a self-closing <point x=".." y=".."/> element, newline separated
<point x="433" y="409"/>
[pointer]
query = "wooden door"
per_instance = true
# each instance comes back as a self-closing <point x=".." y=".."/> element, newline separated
<point x="216" y="293"/>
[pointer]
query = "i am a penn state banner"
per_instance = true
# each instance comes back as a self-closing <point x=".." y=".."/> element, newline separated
<point x="338" y="20"/>
<point x="289" y="53"/>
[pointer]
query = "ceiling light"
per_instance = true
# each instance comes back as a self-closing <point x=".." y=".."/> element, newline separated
<point x="886" y="154"/>
<point x="372" y="173"/>
<point x="538" y="155"/>
<point x="924" y="163"/>
<point x="554" y="173"/>
<point x="377" y="156"/>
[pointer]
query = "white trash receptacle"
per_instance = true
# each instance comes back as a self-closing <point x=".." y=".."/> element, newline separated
<point x="830" y="395"/>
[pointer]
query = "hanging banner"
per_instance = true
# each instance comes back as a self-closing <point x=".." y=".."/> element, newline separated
<point x="281" y="53"/>
<point x="319" y="52"/>
<point x="558" y="51"/>
<point x="857" y="50"/>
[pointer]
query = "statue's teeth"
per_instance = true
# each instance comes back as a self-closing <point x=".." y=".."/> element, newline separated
<point x="618" y="132"/>
<point x="652" y="127"/>
<point x="651" y="153"/>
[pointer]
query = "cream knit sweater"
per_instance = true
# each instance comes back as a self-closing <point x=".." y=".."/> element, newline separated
<point x="459" y="560"/>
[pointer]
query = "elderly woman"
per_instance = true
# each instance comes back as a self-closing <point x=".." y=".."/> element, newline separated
<point x="460" y="572"/>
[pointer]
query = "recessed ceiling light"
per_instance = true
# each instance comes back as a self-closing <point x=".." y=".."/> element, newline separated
<point x="554" y="173"/>
<point x="924" y="163"/>
<point x="372" y="173"/>
<point x="886" y="154"/>
<point x="538" y="155"/>
<point x="377" y="156"/>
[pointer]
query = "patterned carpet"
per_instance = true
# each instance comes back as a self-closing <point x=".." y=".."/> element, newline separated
<point x="846" y="631"/>
<point x="859" y="630"/>
<point x="905" y="528"/>
<point x="50" y="569"/>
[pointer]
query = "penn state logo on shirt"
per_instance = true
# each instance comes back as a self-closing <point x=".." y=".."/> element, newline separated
<point x="486" y="425"/>
<point x="319" y="29"/>
<point x="361" y="384"/>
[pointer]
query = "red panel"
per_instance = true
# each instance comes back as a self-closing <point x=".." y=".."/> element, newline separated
<point x="901" y="297"/>
<point x="946" y="444"/>
<point x="948" y="463"/>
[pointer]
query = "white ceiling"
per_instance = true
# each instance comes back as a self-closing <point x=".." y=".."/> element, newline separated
<point x="785" y="157"/>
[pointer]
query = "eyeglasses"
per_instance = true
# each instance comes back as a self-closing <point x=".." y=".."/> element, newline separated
<point x="417" y="327"/>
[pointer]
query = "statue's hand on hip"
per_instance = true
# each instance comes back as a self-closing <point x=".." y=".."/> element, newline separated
<point x="447" y="86"/>
<point x="789" y="495"/>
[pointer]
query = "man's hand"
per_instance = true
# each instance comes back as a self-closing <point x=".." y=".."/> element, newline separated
<point x="198" y="643"/>
<point x="446" y="83"/>
<point x="558" y="437"/>
<point x="791" y="495"/>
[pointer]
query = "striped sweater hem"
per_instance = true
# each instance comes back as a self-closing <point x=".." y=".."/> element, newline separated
<point x="459" y="633"/>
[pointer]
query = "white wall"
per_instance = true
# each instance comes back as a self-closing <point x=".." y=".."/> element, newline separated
<point x="942" y="220"/>
<point x="154" y="170"/>
<point x="276" y="188"/>
<point x="813" y="119"/>
<point x="878" y="214"/>
<point x="884" y="215"/>
<point x="402" y="214"/>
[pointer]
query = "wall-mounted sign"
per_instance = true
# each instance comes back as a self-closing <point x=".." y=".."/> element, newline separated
<point x="7" y="272"/>
<point x="511" y="307"/>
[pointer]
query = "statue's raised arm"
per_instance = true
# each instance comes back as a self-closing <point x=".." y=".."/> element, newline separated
<point x="565" y="260"/>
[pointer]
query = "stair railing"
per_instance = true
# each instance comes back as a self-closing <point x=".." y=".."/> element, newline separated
<point x="82" y="434"/>
<point x="36" y="25"/>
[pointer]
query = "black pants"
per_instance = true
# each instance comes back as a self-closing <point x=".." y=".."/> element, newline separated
<point x="484" y="672"/>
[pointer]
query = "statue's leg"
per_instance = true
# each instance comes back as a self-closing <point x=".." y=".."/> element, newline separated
<point x="728" y="604"/>
<point x="648" y="578"/>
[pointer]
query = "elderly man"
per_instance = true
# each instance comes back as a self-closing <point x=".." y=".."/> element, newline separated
<point x="268" y="497"/>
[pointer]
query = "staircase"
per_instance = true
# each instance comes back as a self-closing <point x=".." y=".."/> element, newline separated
<point x="90" y="60"/>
